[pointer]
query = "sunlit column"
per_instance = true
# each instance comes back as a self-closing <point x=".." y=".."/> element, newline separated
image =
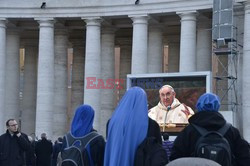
<point x="12" y="77"/>
<point x="29" y="87"/>
<point x="2" y="72"/>
<point x="246" y="75"/>
<point x="45" y="80"/>
<point x="93" y="67"/>
<point x="204" y="45"/>
<point x="61" y="78"/>
<point x="155" y="49"/>
<point x="140" y="44"/>
<point x="107" y="72"/>
<point x="188" y="42"/>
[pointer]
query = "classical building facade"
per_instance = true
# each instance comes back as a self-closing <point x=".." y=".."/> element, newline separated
<point x="47" y="29"/>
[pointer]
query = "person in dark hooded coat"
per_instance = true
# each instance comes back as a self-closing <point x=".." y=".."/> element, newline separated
<point x="209" y="118"/>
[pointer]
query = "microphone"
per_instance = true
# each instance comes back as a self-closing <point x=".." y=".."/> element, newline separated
<point x="168" y="108"/>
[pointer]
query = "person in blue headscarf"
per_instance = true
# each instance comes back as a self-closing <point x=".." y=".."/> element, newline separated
<point x="81" y="126"/>
<point x="209" y="118"/>
<point x="82" y="122"/>
<point x="128" y="127"/>
<point x="208" y="102"/>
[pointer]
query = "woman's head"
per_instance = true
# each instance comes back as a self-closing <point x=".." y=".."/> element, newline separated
<point x="208" y="102"/>
<point x="127" y="128"/>
<point x="82" y="122"/>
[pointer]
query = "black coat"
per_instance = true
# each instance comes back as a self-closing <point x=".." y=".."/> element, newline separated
<point x="12" y="149"/>
<point x="97" y="149"/>
<point x="184" y="144"/>
<point x="150" y="152"/>
<point x="154" y="130"/>
<point x="30" y="155"/>
<point x="43" y="150"/>
<point x="56" y="150"/>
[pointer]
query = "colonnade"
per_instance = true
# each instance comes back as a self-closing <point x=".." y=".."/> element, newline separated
<point x="45" y="69"/>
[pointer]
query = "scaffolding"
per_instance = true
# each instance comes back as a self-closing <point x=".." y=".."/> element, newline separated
<point x="225" y="54"/>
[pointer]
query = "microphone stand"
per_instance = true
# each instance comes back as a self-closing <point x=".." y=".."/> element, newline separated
<point x="164" y="124"/>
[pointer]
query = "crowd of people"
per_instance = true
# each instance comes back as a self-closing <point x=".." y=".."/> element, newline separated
<point x="18" y="149"/>
<point x="133" y="136"/>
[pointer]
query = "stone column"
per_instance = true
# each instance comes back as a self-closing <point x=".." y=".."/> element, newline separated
<point x="173" y="57"/>
<point x="2" y="72"/>
<point x="188" y="42"/>
<point x="45" y="80"/>
<point x="140" y="44"/>
<point x="77" y="88"/>
<point x="93" y="67"/>
<point x="61" y="79"/>
<point x="204" y="45"/>
<point x="245" y="75"/>
<point x="29" y="87"/>
<point x="173" y="42"/>
<point x="155" y="49"/>
<point x="108" y="72"/>
<point x="12" y="77"/>
<point x="125" y="62"/>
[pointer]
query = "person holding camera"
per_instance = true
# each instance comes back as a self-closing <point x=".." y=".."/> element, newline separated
<point x="13" y="144"/>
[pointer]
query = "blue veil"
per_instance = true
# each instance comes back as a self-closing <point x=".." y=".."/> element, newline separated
<point x="208" y="102"/>
<point x="82" y="123"/>
<point x="127" y="128"/>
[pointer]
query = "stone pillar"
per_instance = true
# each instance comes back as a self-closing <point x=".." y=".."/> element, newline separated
<point x="108" y="72"/>
<point x="12" y="77"/>
<point x="173" y="57"/>
<point x="77" y="87"/>
<point x="61" y="80"/>
<point x="2" y="72"/>
<point x="125" y="62"/>
<point x="140" y="44"/>
<point x="29" y="87"/>
<point x="245" y="75"/>
<point x="173" y="42"/>
<point x="204" y="45"/>
<point x="93" y="67"/>
<point x="188" y="42"/>
<point x="45" y="80"/>
<point x="155" y="49"/>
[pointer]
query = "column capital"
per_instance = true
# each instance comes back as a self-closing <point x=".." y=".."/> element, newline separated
<point x="92" y="21"/>
<point x="12" y="28"/>
<point x="157" y="27"/>
<point x="170" y="39"/>
<point x="61" y="31"/>
<point x="108" y="30"/>
<point x="247" y="6"/>
<point x="204" y="22"/>
<point x="46" y="22"/>
<point x="188" y="15"/>
<point x="13" y="31"/>
<point x="29" y="42"/>
<point x="139" y="19"/>
<point x="124" y="41"/>
<point x="77" y="42"/>
<point x="3" y="22"/>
